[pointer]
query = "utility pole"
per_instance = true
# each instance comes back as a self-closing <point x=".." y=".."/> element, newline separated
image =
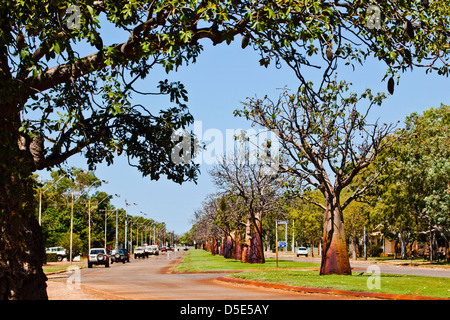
<point x="276" y="239"/>
<point x="89" y="224"/>
<point x="105" y="225"/>
<point x="71" y="229"/>
<point x="293" y="238"/>
<point x="117" y="230"/>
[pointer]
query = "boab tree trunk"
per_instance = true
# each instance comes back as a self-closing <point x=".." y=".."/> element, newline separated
<point x="21" y="243"/>
<point x="256" y="245"/>
<point x="237" y="246"/>
<point x="335" y="258"/>
<point x="245" y="255"/>
<point x="256" y="254"/>
<point x="228" y="247"/>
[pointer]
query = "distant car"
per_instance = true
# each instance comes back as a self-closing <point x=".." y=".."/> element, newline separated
<point x="186" y="248"/>
<point x="120" y="255"/>
<point x="163" y="249"/>
<point x="302" y="251"/>
<point x="154" y="250"/>
<point x="60" y="252"/>
<point x="98" y="256"/>
<point x="139" y="252"/>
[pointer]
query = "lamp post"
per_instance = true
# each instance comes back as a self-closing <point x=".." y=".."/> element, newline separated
<point x="126" y="220"/>
<point x="89" y="214"/>
<point x="42" y="192"/>
<point x="71" y="216"/>
<point x="89" y="210"/>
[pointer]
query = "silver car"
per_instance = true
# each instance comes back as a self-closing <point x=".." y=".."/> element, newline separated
<point x="98" y="256"/>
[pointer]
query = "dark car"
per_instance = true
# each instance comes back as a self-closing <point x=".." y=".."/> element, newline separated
<point x="163" y="249"/>
<point x="120" y="255"/>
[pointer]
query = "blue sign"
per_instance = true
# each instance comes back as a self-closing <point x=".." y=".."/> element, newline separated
<point x="282" y="222"/>
<point x="282" y="244"/>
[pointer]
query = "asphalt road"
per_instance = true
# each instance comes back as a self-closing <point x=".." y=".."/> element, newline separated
<point x="149" y="280"/>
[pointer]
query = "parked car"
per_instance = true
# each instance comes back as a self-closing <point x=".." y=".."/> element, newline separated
<point x="120" y="255"/>
<point x="147" y="250"/>
<point x="302" y="251"/>
<point x="163" y="249"/>
<point x="153" y="249"/>
<point x="60" y="252"/>
<point x="98" y="256"/>
<point x="139" y="252"/>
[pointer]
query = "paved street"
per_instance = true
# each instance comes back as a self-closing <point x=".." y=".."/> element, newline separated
<point x="148" y="279"/>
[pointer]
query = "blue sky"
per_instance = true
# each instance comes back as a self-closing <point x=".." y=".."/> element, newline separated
<point x="217" y="84"/>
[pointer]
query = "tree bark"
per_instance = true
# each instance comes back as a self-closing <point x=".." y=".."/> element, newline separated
<point x="237" y="246"/>
<point x="22" y="249"/>
<point x="256" y="254"/>
<point x="335" y="258"/>
<point x="228" y="247"/>
<point x="245" y="258"/>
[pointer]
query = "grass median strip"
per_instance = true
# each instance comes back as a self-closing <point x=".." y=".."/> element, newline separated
<point x="391" y="284"/>
<point x="293" y="273"/>
<point x="202" y="261"/>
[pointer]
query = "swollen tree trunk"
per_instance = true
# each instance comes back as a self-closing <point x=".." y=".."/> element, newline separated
<point x="334" y="255"/>
<point x="228" y="247"/>
<point x="21" y="243"/>
<point x="245" y="256"/>
<point x="257" y="245"/>
<point x="237" y="246"/>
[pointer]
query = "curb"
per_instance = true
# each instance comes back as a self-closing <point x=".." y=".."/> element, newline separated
<point x="375" y="295"/>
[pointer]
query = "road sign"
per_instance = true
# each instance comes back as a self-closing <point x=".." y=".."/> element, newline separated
<point x="282" y="222"/>
<point x="282" y="244"/>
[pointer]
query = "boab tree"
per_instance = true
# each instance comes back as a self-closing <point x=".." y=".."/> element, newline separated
<point x="64" y="90"/>
<point x="325" y="144"/>
<point x="249" y="177"/>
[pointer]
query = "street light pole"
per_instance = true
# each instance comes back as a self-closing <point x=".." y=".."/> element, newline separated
<point x="89" y="224"/>
<point x="117" y="230"/>
<point x="106" y="210"/>
<point x="71" y="228"/>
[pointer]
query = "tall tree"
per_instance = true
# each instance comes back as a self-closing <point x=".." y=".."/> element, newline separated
<point x="64" y="90"/>
<point x="415" y="190"/>
<point x="325" y="144"/>
<point x="246" y="175"/>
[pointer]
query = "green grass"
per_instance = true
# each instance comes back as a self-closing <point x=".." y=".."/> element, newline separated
<point x="291" y="273"/>
<point x="393" y="284"/>
<point x="63" y="266"/>
<point x="200" y="260"/>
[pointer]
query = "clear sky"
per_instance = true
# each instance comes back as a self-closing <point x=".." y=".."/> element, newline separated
<point x="223" y="77"/>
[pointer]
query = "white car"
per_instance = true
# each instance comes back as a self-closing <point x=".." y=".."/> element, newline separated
<point x="154" y="250"/>
<point x="98" y="256"/>
<point x="60" y="252"/>
<point x="302" y="251"/>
